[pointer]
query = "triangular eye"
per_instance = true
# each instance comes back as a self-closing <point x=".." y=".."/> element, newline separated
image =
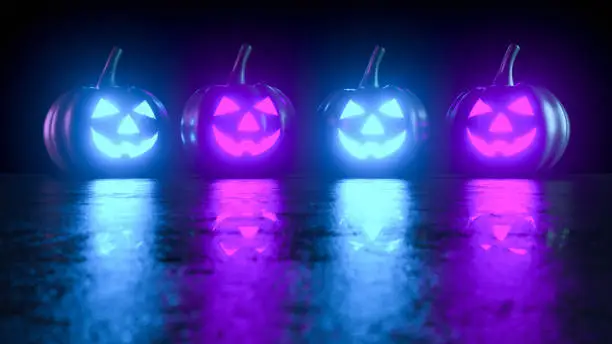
<point x="226" y="106"/>
<point x="521" y="106"/>
<point x="351" y="109"/>
<point x="392" y="109"/>
<point x="144" y="109"/>
<point x="480" y="108"/>
<point x="104" y="108"/>
<point x="266" y="106"/>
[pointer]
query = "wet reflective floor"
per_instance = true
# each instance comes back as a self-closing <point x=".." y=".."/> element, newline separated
<point x="296" y="261"/>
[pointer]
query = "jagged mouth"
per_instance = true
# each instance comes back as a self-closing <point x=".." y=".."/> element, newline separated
<point x="123" y="148"/>
<point x="376" y="150"/>
<point x="502" y="148"/>
<point x="245" y="147"/>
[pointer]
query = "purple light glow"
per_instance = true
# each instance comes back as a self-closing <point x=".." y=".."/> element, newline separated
<point x="500" y="138"/>
<point x="242" y="300"/>
<point x="266" y="106"/>
<point x="249" y="137"/>
<point x="247" y="223"/>
<point x="507" y="128"/>
<point x="248" y="124"/>
<point x="480" y="108"/>
<point x="236" y="122"/>
<point x="503" y="148"/>
<point x="246" y="146"/>
<point x="495" y="290"/>
<point x="501" y="124"/>
<point x="226" y="106"/>
<point x="244" y="221"/>
<point x="521" y="106"/>
<point x="502" y="215"/>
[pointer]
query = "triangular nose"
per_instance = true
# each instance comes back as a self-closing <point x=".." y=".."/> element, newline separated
<point x="372" y="230"/>
<point x="127" y="126"/>
<point x="501" y="124"/>
<point x="372" y="126"/>
<point x="248" y="124"/>
<point x="500" y="232"/>
<point x="248" y="231"/>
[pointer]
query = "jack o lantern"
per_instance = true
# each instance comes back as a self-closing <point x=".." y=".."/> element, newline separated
<point x="106" y="129"/>
<point x="241" y="121"/>
<point x="508" y="127"/>
<point x="374" y="122"/>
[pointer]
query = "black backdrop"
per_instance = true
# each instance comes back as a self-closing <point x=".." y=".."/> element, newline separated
<point x="307" y="53"/>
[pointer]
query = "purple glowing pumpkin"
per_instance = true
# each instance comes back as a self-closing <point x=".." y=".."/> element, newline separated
<point x="507" y="127"/>
<point x="239" y="121"/>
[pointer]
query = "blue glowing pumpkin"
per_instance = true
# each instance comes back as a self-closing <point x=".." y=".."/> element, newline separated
<point x="107" y="129"/>
<point x="375" y="122"/>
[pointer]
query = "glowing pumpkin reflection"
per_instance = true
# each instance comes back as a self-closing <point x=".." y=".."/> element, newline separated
<point x="502" y="215"/>
<point x="376" y="210"/>
<point x="499" y="290"/>
<point x="375" y="249"/>
<point x="245" y="215"/>
<point x="120" y="218"/>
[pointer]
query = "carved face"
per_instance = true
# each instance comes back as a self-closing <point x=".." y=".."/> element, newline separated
<point x="502" y="130"/>
<point x="241" y="231"/>
<point x="243" y="129"/>
<point x="123" y="132"/>
<point x="372" y="131"/>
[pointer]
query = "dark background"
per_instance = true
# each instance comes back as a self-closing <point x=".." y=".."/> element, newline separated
<point x="307" y="53"/>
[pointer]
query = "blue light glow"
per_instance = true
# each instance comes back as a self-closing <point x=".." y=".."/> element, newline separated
<point x="371" y="149"/>
<point x="376" y="209"/>
<point x="392" y="109"/>
<point x="145" y="109"/>
<point x="351" y="110"/>
<point x="372" y="126"/>
<point x="119" y="218"/>
<point x="122" y="149"/>
<point x="127" y="126"/>
<point x="104" y="109"/>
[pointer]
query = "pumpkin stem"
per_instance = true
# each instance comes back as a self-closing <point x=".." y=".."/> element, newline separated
<point x="107" y="78"/>
<point x="370" y="77"/>
<point x="504" y="74"/>
<point x="237" y="76"/>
